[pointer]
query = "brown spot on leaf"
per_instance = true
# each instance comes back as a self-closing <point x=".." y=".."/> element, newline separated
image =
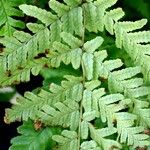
<point x="114" y="121"/>
<point x="113" y="147"/>
<point x="103" y="79"/>
<point x="15" y="82"/>
<point x="8" y="73"/>
<point x="46" y="66"/>
<point x="47" y="51"/>
<point x="141" y="148"/>
<point x="20" y="68"/>
<point x="38" y="125"/>
<point x="1" y="49"/>
<point x="147" y="131"/>
<point x="40" y="55"/>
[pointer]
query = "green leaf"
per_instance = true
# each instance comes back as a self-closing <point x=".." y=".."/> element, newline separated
<point x="8" y="12"/>
<point x="90" y="145"/>
<point x="62" y="114"/>
<point x="32" y="139"/>
<point x="84" y="130"/>
<point x="87" y="63"/>
<point x="92" y="84"/>
<point x="58" y="7"/>
<point x="41" y="14"/>
<point x="101" y="101"/>
<point x="67" y="140"/>
<point x="66" y="55"/>
<point x="72" y="41"/>
<point x="91" y="46"/>
<point x="99" y="136"/>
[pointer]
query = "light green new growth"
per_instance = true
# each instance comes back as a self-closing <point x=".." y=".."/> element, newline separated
<point x="107" y="106"/>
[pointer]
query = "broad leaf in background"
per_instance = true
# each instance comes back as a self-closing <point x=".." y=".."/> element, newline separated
<point x="33" y="137"/>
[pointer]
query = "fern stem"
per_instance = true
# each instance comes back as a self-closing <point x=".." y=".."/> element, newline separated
<point x="81" y="105"/>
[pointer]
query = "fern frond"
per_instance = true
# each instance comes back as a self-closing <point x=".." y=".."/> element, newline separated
<point x="26" y="108"/>
<point x="93" y="66"/>
<point x="67" y="140"/>
<point x="35" y="27"/>
<point x="121" y="30"/>
<point x="23" y="51"/>
<point x="22" y="74"/>
<point x="41" y="14"/>
<point x="88" y="65"/>
<point x="97" y="16"/>
<point x="133" y="46"/>
<point x="141" y="109"/>
<point x="111" y="18"/>
<point x="90" y="17"/>
<point x="70" y="18"/>
<point x="99" y="135"/>
<point x="89" y="113"/>
<point x="75" y="21"/>
<point x="20" y="50"/>
<point x="122" y="80"/>
<point x="7" y="23"/>
<point x="92" y="45"/>
<point x="74" y="54"/>
<point x="125" y="27"/>
<point x="133" y="135"/>
<point x="108" y="107"/>
<point x="71" y="89"/>
<point x="65" y="16"/>
<point x="72" y="41"/>
<point x="107" y="100"/>
<point x="125" y="81"/>
<point x="91" y="145"/>
<point x="64" y="114"/>
<point x="58" y="7"/>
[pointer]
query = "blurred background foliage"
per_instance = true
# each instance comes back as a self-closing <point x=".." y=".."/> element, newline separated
<point x="134" y="7"/>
